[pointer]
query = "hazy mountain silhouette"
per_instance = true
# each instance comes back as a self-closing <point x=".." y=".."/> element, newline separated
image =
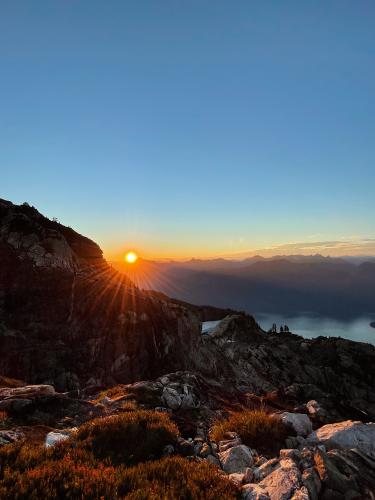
<point x="337" y="287"/>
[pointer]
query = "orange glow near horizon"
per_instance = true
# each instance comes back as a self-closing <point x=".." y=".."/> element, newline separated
<point x="131" y="257"/>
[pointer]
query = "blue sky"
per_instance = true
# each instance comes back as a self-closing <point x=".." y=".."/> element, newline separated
<point x="191" y="128"/>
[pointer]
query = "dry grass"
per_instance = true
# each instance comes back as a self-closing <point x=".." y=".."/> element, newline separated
<point x="256" y="428"/>
<point x="3" y="417"/>
<point x="112" y="393"/>
<point x="10" y="382"/>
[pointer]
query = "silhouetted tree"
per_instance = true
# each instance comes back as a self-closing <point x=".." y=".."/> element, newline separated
<point x="286" y="328"/>
<point x="274" y="328"/>
<point x="281" y="329"/>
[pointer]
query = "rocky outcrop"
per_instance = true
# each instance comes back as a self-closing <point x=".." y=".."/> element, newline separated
<point x="338" y="374"/>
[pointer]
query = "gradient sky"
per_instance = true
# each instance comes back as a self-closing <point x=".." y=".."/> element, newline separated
<point x="191" y="128"/>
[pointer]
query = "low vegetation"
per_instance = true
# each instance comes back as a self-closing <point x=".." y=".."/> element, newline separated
<point x="99" y="463"/>
<point x="257" y="429"/>
<point x="128" y="438"/>
<point x="169" y="478"/>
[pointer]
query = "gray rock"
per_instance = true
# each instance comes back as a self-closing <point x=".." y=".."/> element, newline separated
<point x="248" y="475"/>
<point x="236" y="459"/>
<point x="254" y="492"/>
<point x="225" y="445"/>
<point x="311" y="481"/>
<point x="301" y="494"/>
<point x="282" y="483"/>
<point x="291" y="453"/>
<point x="171" y="398"/>
<point x="10" y="436"/>
<point x="266" y="468"/>
<point x="27" y="391"/>
<point x="298" y="421"/>
<point x="348" y="434"/>
<point x="14" y="405"/>
<point x="315" y="409"/>
<point x="213" y="460"/>
<point x="236" y="477"/>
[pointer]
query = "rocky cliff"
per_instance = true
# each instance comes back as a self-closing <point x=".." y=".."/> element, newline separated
<point x="68" y="318"/>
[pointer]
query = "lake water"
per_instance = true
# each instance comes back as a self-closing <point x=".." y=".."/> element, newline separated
<point x="310" y="325"/>
<point x="208" y="326"/>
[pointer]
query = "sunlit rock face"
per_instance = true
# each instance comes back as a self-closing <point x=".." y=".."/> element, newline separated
<point x="66" y="316"/>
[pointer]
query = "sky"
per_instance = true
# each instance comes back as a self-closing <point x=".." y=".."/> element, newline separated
<point x="197" y="128"/>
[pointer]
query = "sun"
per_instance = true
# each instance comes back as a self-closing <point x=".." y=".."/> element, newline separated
<point x="130" y="257"/>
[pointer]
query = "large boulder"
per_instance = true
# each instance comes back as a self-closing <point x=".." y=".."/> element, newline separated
<point x="27" y="391"/>
<point x="236" y="459"/>
<point x="299" y="422"/>
<point x="283" y="482"/>
<point x="348" y="434"/>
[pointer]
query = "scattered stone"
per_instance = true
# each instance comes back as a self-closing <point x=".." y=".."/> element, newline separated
<point x="301" y="494"/>
<point x="266" y="468"/>
<point x="248" y="475"/>
<point x="312" y="482"/>
<point x="10" y="436"/>
<point x="214" y="460"/>
<point x="205" y="450"/>
<point x="254" y="492"/>
<point x="291" y="453"/>
<point x="236" y="477"/>
<point x="55" y="437"/>
<point x="315" y="409"/>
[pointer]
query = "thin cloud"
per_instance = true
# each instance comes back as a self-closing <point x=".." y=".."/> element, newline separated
<point x="334" y="248"/>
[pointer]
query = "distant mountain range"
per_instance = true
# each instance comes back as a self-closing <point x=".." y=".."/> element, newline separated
<point x="287" y="284"/>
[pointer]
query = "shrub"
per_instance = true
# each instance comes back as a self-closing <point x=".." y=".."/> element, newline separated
<point x="61" y="479"/>
<point x="256" y="428"/>
<point x="169" y="478"/>
<point x="128" y="438"/>
<point x="176" y="478"/>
